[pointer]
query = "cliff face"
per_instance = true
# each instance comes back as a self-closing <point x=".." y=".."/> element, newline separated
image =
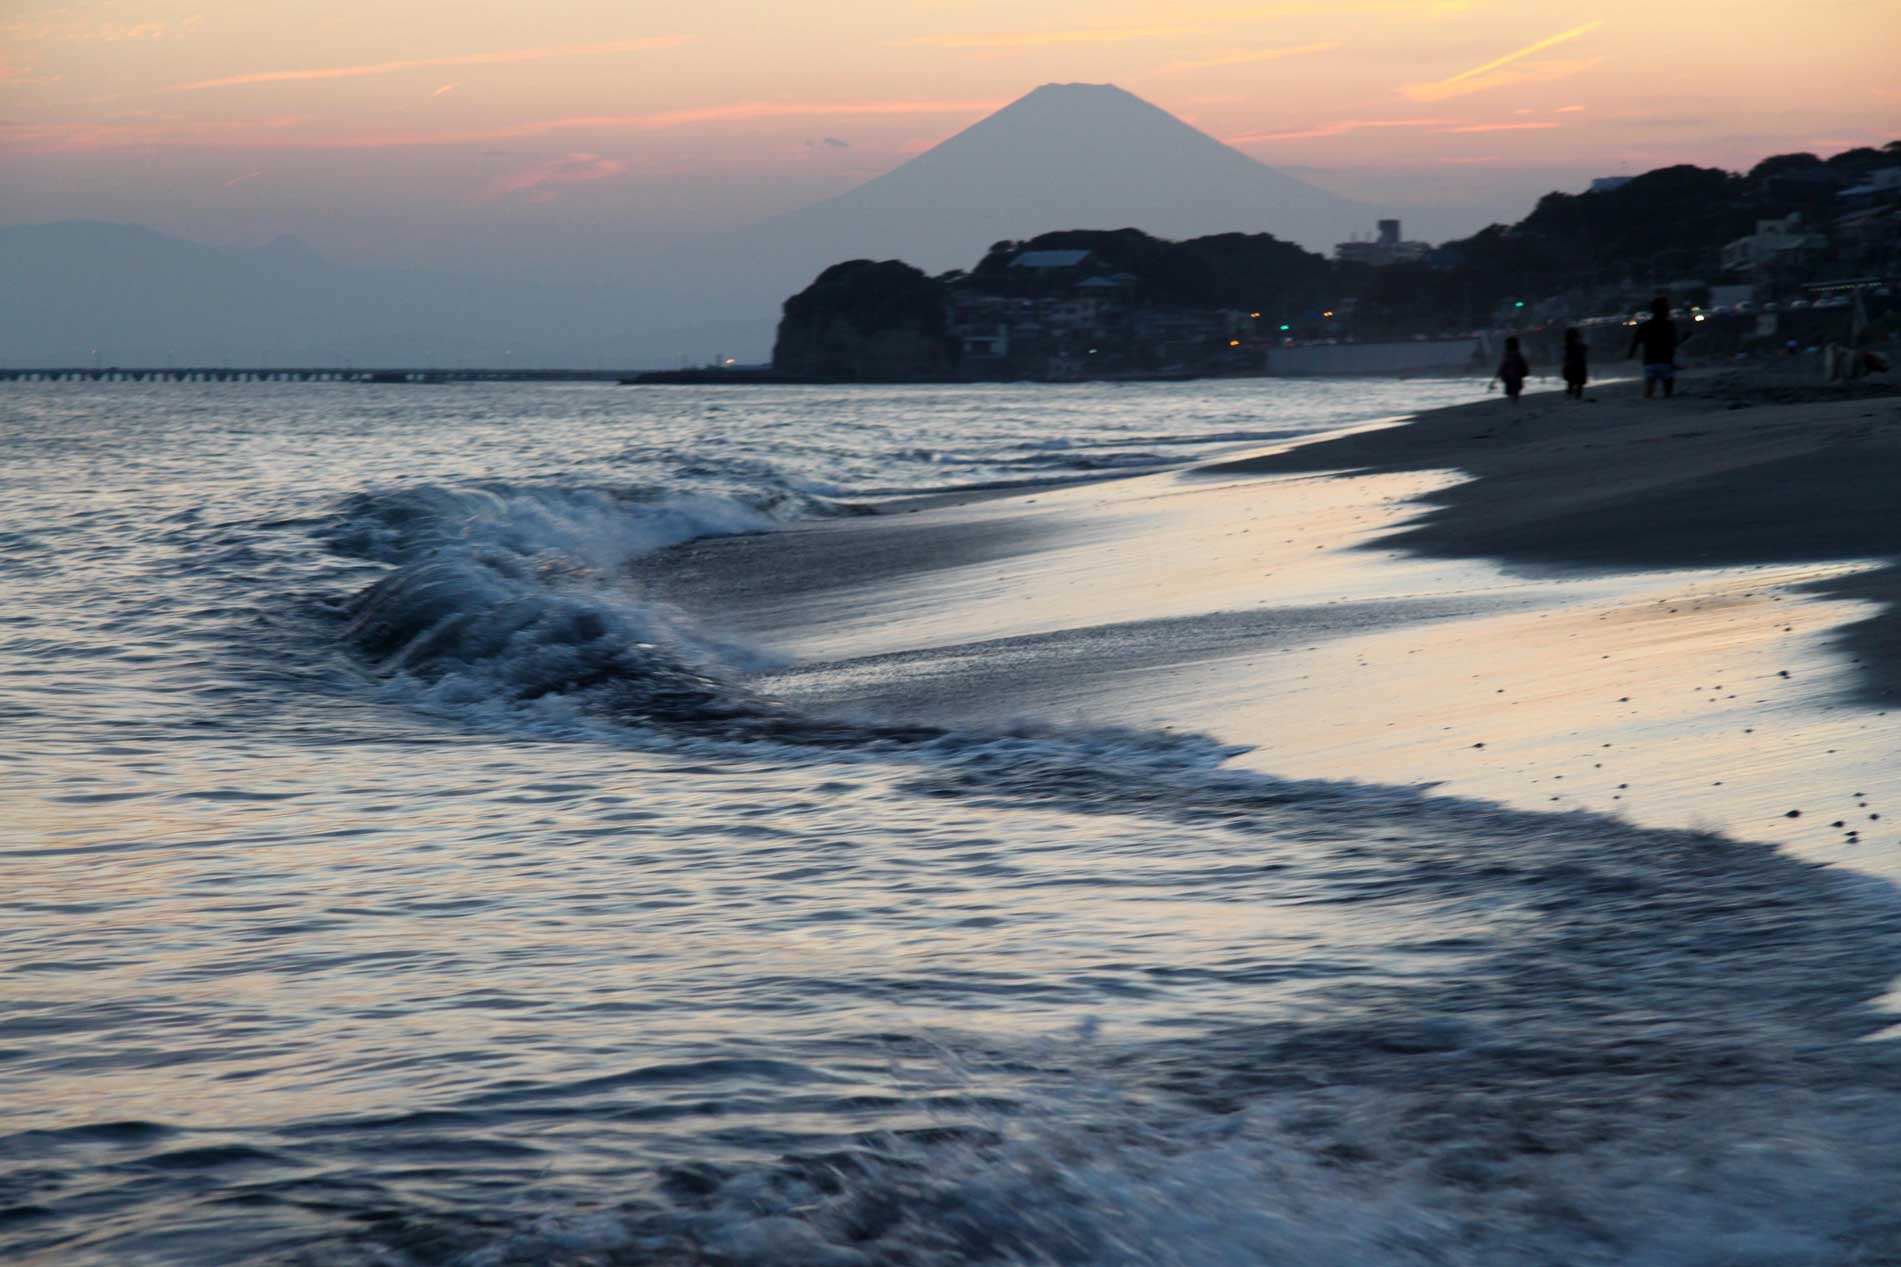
<point x="866" y="321"/>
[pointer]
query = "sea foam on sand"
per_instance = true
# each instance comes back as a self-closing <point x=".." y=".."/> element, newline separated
<point x="1675" y="611"/>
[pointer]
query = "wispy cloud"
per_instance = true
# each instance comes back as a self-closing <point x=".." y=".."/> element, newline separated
<point x="1323" y="8"/>
<point x="1499" y="127"/>
<point x="1340" y="128"/>
<point x="82" y="32"/>
<point x="445" y="90"/>
<point x="1045" y="39"/>
<point x="498" y="57"/>
<point x="566" y="169"/>
<point x="1247" y="56"/>
<point x="127" y="133"/>
<point x="749" y="110"/>
<point x="1480" y="78"/>
<point x="245" y="179"/>
<point x="279" y="134"/>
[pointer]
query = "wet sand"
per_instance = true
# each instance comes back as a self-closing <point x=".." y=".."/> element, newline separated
<point x="1729" y="473"/>
<point x="1683" y="612"/>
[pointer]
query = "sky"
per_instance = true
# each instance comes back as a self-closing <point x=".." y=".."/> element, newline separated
<point x="556" y="138"/>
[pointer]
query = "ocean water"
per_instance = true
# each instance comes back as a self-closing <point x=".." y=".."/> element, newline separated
<point x="387" y="877"/>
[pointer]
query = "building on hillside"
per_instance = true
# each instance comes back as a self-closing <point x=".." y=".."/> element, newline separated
<point x="1877" y="186"/>
<point x="1773" y="244"/>
<point x="983" y="341"/>
<point x="1871" y="237"/>
<point x="1386" y="247"/>
<point x="1053" y="261"/>
<point x="1102" y="286"/>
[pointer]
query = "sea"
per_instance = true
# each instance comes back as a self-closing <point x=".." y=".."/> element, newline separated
<point x="389" y="875"/>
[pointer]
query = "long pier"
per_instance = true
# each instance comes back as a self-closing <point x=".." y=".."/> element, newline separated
<point x="303" y="374"/>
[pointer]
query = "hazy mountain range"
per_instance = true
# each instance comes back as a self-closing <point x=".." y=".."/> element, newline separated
<point x="1064" y="156"/>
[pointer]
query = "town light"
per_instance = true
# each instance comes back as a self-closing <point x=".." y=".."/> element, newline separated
<point x="1255" y="315"/>
<point x="1234" y="343"/>
<point x="1287" y="327"/>
<point x="1519" y="304"/>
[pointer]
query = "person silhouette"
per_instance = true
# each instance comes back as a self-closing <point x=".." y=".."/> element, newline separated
<point x="1658" y="338"/>
<point x="1576" y="364"/>
<point x="1512" y="370"/>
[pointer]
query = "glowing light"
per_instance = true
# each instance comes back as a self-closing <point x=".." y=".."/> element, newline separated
<point x="1327" y="313"/>
<point x="1286" y="327"/>
<point x="1255" y="315"/>
<point x="1234" y="343"/>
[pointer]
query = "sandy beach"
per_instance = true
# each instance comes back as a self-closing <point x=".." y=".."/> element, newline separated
<point x="1682" y="612"/>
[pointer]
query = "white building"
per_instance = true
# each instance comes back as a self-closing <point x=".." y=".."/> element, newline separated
<point x="1385" y="248"/>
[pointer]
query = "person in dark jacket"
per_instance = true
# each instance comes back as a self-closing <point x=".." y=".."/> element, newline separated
<point x="1658" y="338"/>
<point x="1577" y="370"/>
<point x="1512" y="370"/>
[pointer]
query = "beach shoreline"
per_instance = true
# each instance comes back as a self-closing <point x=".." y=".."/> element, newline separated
<point x="1679" y="611"/>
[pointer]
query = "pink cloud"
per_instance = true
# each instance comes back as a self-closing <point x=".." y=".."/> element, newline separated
<point x="63" y="138"/>
<point x="567" y="169"/>
<point x="1498" y="127"/>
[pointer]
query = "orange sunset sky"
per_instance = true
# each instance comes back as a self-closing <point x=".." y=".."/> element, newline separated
<point x="450" y="133"/>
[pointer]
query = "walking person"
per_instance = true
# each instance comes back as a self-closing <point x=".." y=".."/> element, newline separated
<point x="1511" y="371"/>
<point x="1658" y="339"/>
<point x="1577" y="371"/>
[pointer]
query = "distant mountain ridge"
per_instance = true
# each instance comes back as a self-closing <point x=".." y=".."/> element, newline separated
<point x="77" y="291"/>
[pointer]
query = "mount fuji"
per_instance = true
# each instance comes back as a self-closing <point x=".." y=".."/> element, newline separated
<point x="1065" y="156"/>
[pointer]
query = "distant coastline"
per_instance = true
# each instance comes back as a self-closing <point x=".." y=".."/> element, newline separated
<point x="1799" y="252"/>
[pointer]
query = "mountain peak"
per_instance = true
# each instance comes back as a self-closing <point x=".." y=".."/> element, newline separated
<point x="1069" y="156"/>
<point x="1076" y="90"/>
<point x="1076" y="99"/>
